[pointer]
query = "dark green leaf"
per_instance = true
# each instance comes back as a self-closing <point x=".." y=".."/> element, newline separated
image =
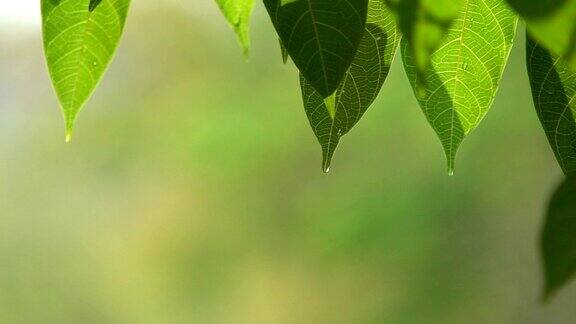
<point x="80" y="38"/>
<point x="553" y="90"/>
<point x="238" y="13"/>
<point x="558" y="241"/>
<point x="284" y="52"/>
<point x="321" y="36"/>
<point x="463" y="79"/>
<point x="552" y="23"/>
<point x="336" y="115"/>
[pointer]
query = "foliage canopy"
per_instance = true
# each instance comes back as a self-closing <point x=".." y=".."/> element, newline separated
<point x="454" y="54"/>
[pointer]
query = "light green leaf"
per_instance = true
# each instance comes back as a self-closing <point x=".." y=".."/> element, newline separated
<point x="80" y="38"/>
<point x="321" y="36"/>
<point x="558" y="240"/>
<point x="552" y="23"/>
<point x="238" y="13"/>
<point x="554" y="92"/>
<point x="424" y="23"/>
<point x="462" y="81"/>
<point x="333" y="117"/>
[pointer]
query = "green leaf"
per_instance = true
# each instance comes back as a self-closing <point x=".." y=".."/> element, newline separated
<point x="80" y="38"/>
<point x="321" y="36"/>
<point x="552" y="23"/>
<point x="424" y="23"/>
<point x="238" y="13"/>
<point x="93" y="4"/>
<point x="553" y="85"/>
<point x="333" y="117"/>
<point x="463" y="79"/>
<point x="558" y="240"/>
<point x="284" y="52"/>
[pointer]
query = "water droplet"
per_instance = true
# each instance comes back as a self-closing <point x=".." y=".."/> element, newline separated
<point x="95" y="63"/>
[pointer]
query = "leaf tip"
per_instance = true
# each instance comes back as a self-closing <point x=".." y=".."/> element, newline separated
<point x="243" y="38"/>
<point x="68" y="138"/>
<point x="545" y="298"/>
<point x="245" y="44"/>
<point x="328" y="154"/>
<point x="450" y="150"/>
<point x="326" y="164"/>
<point x="69" y="131"/>
<point x="450" y="165"/>
<point x="550" y="289"/>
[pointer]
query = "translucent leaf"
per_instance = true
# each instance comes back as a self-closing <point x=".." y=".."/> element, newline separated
<point x="238" y="13"/>
<point x="463" y="79"/>
<point x="321" y="36"/>
<point x="423" y="24"/>
<point x="552" y="23"/>
<point x="80" y="38"/>
<point x="554" y="91"/>
<point x="558" y="241"/>
<point x="333" y="117"/>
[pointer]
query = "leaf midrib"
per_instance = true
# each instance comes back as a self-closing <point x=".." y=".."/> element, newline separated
<point x="315" y="28"/>
<point x="339" y="90"/>
<point x="456" y="80"/>
<point x="77" y="70"/>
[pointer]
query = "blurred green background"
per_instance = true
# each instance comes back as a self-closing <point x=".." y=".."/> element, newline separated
<point x="192" y="192"/>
